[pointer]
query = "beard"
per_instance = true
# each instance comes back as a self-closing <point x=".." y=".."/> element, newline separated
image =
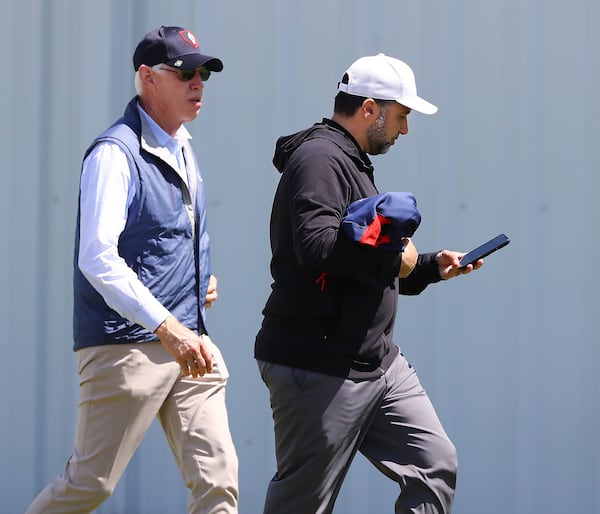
<point x="377" y="139"/>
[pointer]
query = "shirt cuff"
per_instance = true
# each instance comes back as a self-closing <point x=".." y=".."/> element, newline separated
<point x="151" y="316"/>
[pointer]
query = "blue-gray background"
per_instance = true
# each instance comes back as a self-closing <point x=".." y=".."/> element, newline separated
<point x="509" y="355"/>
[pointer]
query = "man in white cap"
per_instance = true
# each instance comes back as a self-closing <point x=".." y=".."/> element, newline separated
<point x="337" y="382"/>
<point x="142" y="283"/>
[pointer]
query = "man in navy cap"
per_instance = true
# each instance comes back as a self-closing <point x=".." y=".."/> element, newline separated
<point x="338" y="383"/>
<point x="142" y="282"/>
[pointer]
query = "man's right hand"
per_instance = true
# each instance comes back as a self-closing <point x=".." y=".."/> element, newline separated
<point x="188" y="349"/>
<point x="409" y="259"/>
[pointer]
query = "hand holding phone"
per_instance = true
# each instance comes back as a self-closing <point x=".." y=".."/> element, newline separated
<point x="484" y="250"/>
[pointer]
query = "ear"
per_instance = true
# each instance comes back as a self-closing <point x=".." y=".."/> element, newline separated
<point x="369" y="108"/>
<point x="146" y="75"/>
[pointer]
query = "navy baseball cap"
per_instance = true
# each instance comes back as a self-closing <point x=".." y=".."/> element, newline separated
<point x="174" y="46"/>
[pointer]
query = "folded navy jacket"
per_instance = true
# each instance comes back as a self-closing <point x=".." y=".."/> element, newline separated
<point x="382" y="220"/>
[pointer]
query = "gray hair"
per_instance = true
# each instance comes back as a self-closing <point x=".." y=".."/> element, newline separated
<point x="138" y="81"/>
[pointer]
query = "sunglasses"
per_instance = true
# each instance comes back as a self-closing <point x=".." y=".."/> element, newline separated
<point x="187" y="75"/>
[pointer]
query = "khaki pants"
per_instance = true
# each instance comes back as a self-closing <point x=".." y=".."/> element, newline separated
<point x="122" y="389"/>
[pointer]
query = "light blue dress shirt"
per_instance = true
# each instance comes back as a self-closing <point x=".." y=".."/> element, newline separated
<point x="106" y="192"/>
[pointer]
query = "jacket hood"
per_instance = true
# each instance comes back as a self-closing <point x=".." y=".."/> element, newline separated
<point x="326" y="129"/>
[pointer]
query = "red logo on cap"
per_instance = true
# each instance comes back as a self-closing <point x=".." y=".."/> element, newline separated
<point x="189" y="38"/>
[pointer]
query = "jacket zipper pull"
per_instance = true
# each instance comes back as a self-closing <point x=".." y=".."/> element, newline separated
<point x="321" y="280"/>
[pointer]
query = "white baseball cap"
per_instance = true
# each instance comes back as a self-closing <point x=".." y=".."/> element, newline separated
<point x="385" y="78"/>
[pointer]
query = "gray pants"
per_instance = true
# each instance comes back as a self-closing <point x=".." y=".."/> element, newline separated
<point x="321" y="422"/>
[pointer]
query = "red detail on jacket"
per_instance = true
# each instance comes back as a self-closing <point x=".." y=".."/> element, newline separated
<point x="372" y="235"/>
<point x="321" y="280"/>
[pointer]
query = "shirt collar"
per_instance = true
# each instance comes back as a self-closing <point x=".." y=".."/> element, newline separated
<point x="363" y="155"/>
<point x="162" y="138"/>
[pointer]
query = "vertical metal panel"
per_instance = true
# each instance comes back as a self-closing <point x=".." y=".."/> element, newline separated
<point x="508" y="355"/>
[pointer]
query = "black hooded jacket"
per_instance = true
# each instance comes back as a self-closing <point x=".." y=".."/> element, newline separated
<point x="329" y="310"/>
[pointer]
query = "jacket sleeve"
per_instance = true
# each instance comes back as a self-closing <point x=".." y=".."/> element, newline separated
<point x="426" y="272"/>
<point x="319" y="193"/>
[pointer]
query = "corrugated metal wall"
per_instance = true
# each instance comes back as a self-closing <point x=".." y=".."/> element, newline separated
<point x="509" y="355"/>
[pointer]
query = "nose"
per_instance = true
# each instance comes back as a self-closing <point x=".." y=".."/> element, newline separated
<point x="197" y="82"/>
<point x="404" y="127"/>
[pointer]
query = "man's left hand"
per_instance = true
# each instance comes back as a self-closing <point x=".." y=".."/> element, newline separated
<point x="211" y="293"/>
<point x="448" y="263"/>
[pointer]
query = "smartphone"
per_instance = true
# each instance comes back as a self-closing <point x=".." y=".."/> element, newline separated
<point x="484" y="250"/>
